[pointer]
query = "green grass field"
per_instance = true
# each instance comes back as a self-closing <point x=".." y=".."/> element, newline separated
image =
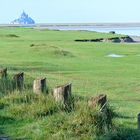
<point x="56" y="56"/>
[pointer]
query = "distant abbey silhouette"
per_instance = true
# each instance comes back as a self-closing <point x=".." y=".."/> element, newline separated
<point x="23" y="19"/>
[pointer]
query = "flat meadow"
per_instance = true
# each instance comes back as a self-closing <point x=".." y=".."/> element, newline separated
<point x="55" y="55"/>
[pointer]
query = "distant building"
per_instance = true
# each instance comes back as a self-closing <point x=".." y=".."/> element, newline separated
<point x="23" y="19"/>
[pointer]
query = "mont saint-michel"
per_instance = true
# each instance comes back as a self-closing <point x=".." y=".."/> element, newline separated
<point x="23" y="19"/>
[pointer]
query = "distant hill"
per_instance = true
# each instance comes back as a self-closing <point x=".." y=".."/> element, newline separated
<point x="23" y="19"/>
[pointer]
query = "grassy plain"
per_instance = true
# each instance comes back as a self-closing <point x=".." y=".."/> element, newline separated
<point x="55" y="55"/>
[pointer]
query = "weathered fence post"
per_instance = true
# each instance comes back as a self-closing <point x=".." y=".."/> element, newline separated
<point x="19" y="80"/>
<point x="3" y="73"/>
<point x="63" y="94"/>
<point x="139" y="121"/>
<point x="98" y="101"/>
<point x="39" y="86"/>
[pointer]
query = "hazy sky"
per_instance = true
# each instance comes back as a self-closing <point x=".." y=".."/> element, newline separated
<point x="72" y="11"/>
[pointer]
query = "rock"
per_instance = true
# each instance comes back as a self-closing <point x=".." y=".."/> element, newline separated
<point x="39" y="86"/>
<point x="116" y="40"/>
<point x="98" y="101"/>
<point x="3" y="73"/>
<point x="105" y="40"/>
<point x="23" y="19"/>
<point x="19" y="80"/>
<point x="113" y="40"/>
<point x="127" y="39"/>
<point x="112" y="32"/>
<point x="62" y="93"/>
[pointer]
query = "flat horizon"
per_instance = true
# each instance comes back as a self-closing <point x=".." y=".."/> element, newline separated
<point x="83" y="23"/>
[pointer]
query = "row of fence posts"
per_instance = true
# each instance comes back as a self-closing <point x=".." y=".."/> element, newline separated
<point x="60" y="93"/>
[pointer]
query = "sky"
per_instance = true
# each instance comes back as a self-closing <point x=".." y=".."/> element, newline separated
<point x="71" y="11"/>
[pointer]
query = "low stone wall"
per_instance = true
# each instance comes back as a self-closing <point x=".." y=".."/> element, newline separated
<point x="126" y="39"/>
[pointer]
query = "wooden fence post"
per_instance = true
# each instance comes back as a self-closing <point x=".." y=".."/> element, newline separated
<point x="139" y="121"/>
<point x="19" y="80"/>
<point x="63" y="93"/>
<point x="3" y="73"/>
<point x="98" y="101"/>
<point x="39" y="86"/>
